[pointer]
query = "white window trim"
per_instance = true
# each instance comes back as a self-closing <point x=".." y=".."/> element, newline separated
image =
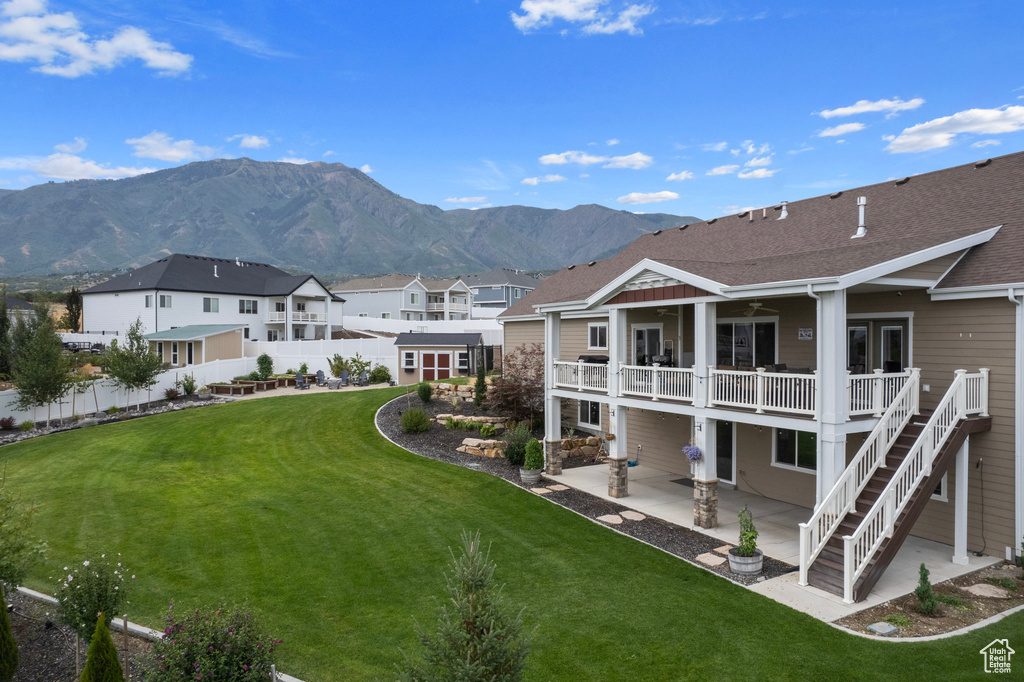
<point x="632" y="336"/>
<point x="167" y="298"/>
<point x="944" y="495"/>
<point x="385" y="316"/>
<point x="792" y="467"/>
<point x="174" y="353"/>
<point x="414" y="298"/>
<point x="458" y="360"/>
<point x="214" y="303"/>
<point x="149" y="300"/>
<point x="884" y="349"/>
<point x="743" y="320"/>
<point x="605" y="346"/>
<point x="579" y="410"/>
<point x="908" y="314"/>
<point x="409" y="359"/>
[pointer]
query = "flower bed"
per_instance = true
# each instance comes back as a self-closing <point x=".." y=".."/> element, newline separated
<point x="241" y="388"/>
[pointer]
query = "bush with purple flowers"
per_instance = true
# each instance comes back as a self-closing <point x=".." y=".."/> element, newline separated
<point x="222" y="644"/>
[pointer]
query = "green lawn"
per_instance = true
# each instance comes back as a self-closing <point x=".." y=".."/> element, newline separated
<point x="339" y="539"/>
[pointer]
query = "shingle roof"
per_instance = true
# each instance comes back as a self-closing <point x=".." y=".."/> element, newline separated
<point x="439" y="284"/>
<point x="17" y="304"/>
<point x="192" y="332"/>
<point x="902" y="217"/>
<point x="181" y="272"/>
<point x="422" y="339"/>
<point x="501" y="276"/>
<point x="393" y="281"/>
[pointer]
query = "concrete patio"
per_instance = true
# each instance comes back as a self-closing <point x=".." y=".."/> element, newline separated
<point x="655" y="493"/>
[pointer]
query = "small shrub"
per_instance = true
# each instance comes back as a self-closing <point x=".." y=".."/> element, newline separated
<point x="211" y="645"/>
<point x="303" y="368"/>
<point x="480" y="386"/>
<point x="113" y="409"/>
<point x="266" y="366"/>
<point x="26" y="426"/>
<point x="171" y="393"/>
<point x="253" y="376"/>
<point x="101" y="664"/>
<point x="926" y="601"/>
<point x="425" y="391"/>
<point x="747" y="546"/>
<point x="359" y="365"/>
<point x="899" y="620"/>
<point x="8" y="647"/>
<point x="380" y="375"/>
<point x="487" y="430"/>
<point x="7" y="424"/>
<point x="449" y="423"/>
<point x="415" y="421"/>
<point x="187" y="384"/>
<point x="952" y="600"/>
<point x="516" y="438"/>
<point x="1007" y="583"/>
<point x="534" y="458"/>
<point x="88" y="589"/>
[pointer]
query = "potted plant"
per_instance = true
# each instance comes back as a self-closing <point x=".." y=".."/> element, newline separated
<point x="533" y="464"/>
<point x="745" y="558"/>
<point x="694" y="455"/>
<point x="204" y="393"/>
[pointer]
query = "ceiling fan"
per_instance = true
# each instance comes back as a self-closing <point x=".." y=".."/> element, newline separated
<point x="666" y="311"/>
<point x="755" y="307"/>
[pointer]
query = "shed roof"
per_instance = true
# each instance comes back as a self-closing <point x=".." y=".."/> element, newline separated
<point x="429" y="339"/>
<point x="192" y="332"/>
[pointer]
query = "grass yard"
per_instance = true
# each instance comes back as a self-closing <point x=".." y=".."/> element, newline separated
<point x="338" y="539"/>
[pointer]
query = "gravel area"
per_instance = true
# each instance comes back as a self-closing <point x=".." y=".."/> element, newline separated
<point x="439" y="443"/>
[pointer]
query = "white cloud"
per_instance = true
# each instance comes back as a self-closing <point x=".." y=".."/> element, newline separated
<point x="163" y="147"/>
<point x="757" y="173"/>
<point x="64" y="166"/>
<point x="681" y="175"/>
<point x="293" y="159"/>
<point x="366" y="168"/>
<point x="584" y="175"/>
<point x="748" y="147"/>
<point x="715" y="146"/>
<point x="329" y="152"/>
<point x="723" y="170"/>
<point x="635" y="161"/>
<point x="596" y="19"/>
<point x="735" y="209"/>
<point x="250" y="141"/>
<point x="58" y="46"/>
<point x="546" y="178"/>
<point x="466" y="200"/>
<point x="759" y="161"/>
<point x="634" y="198"/>
<point x="473" y="208"/>
<point x="841" y="129"/>
<point x="890" y="106"/>
<point x="940" y="132"/>
<point x="612" y="142"/>
<point x="802" y="149"/>
<point x="981" y="144"/>
<point x="76" y="147"/>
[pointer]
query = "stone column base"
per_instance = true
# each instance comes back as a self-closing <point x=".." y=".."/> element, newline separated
<point x="552" y="457"/>
<point x="705" y="503"/>
<point x="618" y="478"/>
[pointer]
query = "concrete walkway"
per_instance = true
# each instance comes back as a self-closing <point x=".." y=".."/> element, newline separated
<point x="656" y="493"/>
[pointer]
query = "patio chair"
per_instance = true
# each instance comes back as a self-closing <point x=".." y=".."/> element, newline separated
<point x="364" y="378"/>
<point x="320" y="379"/>
<point x="300" y="382"/>
<point x="344" y="377"/>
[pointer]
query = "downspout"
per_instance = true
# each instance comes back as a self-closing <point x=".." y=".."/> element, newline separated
<point x="156" y="310"/>
<point x="818" y="493"/>
<point x="1018" y="421"/>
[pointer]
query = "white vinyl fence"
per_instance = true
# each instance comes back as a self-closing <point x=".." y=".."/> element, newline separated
<point x="103" y="394"/>
<point x="291" y="354"/>
<point x="493" y="333"/>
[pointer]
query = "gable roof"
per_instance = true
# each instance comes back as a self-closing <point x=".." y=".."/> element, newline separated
<point x="392" y="281"/>
<point x="192" y="332"/>
<point x="181" y="272"/>
<point x="17" y="304"/>
<point x="500" y="277"/>
<point x="440" y="284"/>
<point x="903" y="217"/>
<point x="428" y="339"/>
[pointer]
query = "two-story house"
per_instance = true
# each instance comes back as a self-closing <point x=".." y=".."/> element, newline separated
<point x="859" y="354"/>
<point x="406" y="297"/>
<point x="182" y="290"/>
<point x="499" y="288"/>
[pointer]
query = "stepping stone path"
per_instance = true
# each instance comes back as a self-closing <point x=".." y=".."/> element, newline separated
<point x="724" y="549"/>
<point x="540" y="491"/>
<point x="633" y="516"/>
<point x="613" y="519"/>
<point x="990" y="591"/>
<point x="709" y="559"/>
<point x="558" y="487"/>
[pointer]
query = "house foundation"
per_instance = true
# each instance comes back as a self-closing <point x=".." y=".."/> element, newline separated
<point x="705" y="503"/>
<point x="618" y="477"/>
<point x="553" y="457"/>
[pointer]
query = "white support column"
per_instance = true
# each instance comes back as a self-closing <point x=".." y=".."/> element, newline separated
<point x="704" y="346"/>
<point x="705" y="475"/>
<point x="327" y="310"/>
<point x="1018" y="420"/>
<point x="552" y="405"/>
<point x="288" y="318"/>
<point x="832" y="407"/>
<point x="616" y="348"/>
<point x="960" y="505"/>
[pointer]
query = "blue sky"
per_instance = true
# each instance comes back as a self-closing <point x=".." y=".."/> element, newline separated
<point x="700" y="108"/>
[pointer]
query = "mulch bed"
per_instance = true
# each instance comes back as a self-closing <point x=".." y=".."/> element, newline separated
<point x="948" y="618"/>
<point x="47" y="652"/>
<point x="439" y="443"/>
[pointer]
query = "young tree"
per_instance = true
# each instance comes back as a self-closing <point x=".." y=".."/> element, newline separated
<point x="478" y="636"/>
<point x="480" y="387"/>
<point x="133" y="366"/>
<point x="101" y="664"/>
<point x="8" y="647"/>
<point x="18" y="549"/>
<point x="5" y="335"/>
<point x="41" y="371"/>
<point x="519" y="391"/>
<point x="73" y="317"/>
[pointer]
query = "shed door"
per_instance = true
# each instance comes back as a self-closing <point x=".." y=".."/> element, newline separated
<point x="436" y="365"/>
<point x="429" y="365"/>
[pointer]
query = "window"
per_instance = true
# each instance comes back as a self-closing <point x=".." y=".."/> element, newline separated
<point x="160" y="350"/>
<point x="174" y="353"/>
<point x="857" y="349"/>
<point x="519" y="292"/>
<point x="149" y="300"/>
<point x="299" y="333"/>
<point x="409" y="359"/>
<point x="189" y="353"/>
<point x="463" y="360"/>
<point x="940" y="490"/>
<point x="590" y="414"/>
<point x="279" y="306"/>
<point x="300" y="307"/>
<point x="245" y="333"/>
<point x="362" y="314"/>
<point x="385" y="316"/>
<point x="272" y="335"/>
<point x="746" y="344"/>
<point x="597" y="337"/>
<point x="211" y="305"/>
<point x="414" y="298"/>
<point x="892" y="349"/>
<point x="248" y="306"/>
<point x="165" y="300"/>
<point x="796" y="450"/>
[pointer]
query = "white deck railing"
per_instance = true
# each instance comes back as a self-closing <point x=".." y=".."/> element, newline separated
<point x="967" y="395"/>
<point x="841" y="498"/>
<point x="656" y="382"/>
<point x="582" y="376"/>
<point x="763" y="391"/>
<point x="297" y="316"/>
<point x="872" y="394"/>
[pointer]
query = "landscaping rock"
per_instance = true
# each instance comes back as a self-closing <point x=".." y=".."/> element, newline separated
<point x="613" y="519"/>
<point x="883" y="629"/>
<point x="540" y="491"/>
<point x="710" y="559"/>
<point x="987" y="590"/>
<point x="90" y="421"/>
<point x="633" y="515"/>
<point x="724" y="549"/>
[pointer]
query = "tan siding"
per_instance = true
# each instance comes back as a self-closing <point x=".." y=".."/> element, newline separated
<point x="226" y="346"/>
<point x="755" y="473"/>
<point x="520" y="333"/>
<point x="932" y="270"/>
<point x="574" y="337"/>
<point x="409" y="378"/>
<point x="662" y="437"/>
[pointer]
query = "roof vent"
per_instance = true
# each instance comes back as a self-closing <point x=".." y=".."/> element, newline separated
<point x="215" y="271"/>
<point x="591" y="263"/>
<point x="683" y="227"/>
<point x="712" y="221"/>
<point x="835" y="195"/>
<point x="903" y="181"/>
<point x="570" y="267"/>
<point x="862" y="229"/>
<point x="785" y="211"/>
<point x="982" y="164"/>
<point x="236" y="261"/>
<point x="657" y="232"/>
<point x="740" y="215"/>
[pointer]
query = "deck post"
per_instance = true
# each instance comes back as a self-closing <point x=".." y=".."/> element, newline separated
<point x="705" y="475"/>
<point x="960" y="505"/>
<point x="705" y="339"/>
<point x="833" y="405"/>
<point x="878" y="393"/>
<point x="616" y="350"/>
<point x="552" y="404"/>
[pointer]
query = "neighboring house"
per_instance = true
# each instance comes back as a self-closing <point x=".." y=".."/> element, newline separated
<point x="789" y="341"/>
<point x="18" y="308"/>
<point x="429" y="357"/>
<point x="406" y="297"/>
<point x="499" y="288"/>
<point x="181" y="290"/>
<point x="198" y="343"/>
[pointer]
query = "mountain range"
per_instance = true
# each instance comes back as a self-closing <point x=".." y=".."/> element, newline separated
<point x="325" y="218"/>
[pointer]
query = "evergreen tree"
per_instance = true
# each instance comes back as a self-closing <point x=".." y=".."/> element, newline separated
<point x="478" y="637"/>
<point x="101" y="664"/>
<point x="5" y="335"/>
<point x="480" y="388"/>
<point x="8" y="647"/>
<point x="41" y="372"/>
<point x="73" y="316"/>
<point x="132" y="365"/>
<point x="927" y="603"/>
